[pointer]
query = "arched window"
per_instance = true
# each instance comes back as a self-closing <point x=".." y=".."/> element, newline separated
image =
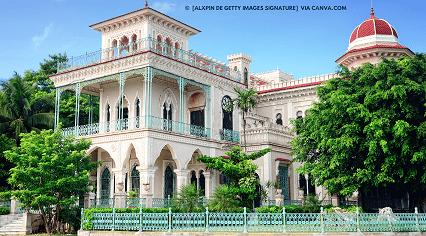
<point x="138" y="112"/>
<point x="245" y="76"/>
<point x="227" y="113"/>
<point x="235" y="68"/>
<point x="279" y="119"/>
<point x="159" y="42"/>
<point x="299" y="114"/>
<point x="124" y="46"/>
<point x="134" y="43"/>
<point x="177" y="50"/>
<point x="169" y="46"/>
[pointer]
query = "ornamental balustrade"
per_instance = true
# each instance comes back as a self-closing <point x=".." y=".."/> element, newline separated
<point x="257" y="222"/>
<point x="230" y="135"/>
<point x="149" y="44"/>
<point x="102" y="202"/>
<point x="137" y="122"/>
<point x="133" y="202"/>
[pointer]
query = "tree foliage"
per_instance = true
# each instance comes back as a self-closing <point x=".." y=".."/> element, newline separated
<point x="240" y="170"/>
<point x="50" y="171"/>
<point x="5" y="165"/>
<point x="17" y="108"/>
<point x="368" y="129"/>
<point x="245" y="102"/>
<point x="188" y="197"/>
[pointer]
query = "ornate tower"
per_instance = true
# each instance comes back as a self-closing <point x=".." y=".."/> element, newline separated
<point x="371" y="40"/>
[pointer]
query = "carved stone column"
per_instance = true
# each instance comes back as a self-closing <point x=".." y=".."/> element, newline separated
<point x="181" y="178"/>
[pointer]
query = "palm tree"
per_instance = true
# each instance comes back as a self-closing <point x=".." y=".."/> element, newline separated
<point x="245" y="102"/>
<point x="16" y="108"/>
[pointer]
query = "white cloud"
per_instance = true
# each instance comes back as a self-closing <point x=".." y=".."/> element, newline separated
<point x="163" y="7"/>
<point x="37" y="40"/>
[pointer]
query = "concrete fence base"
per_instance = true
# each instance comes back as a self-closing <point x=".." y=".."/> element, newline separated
<point x="135" y="233"/>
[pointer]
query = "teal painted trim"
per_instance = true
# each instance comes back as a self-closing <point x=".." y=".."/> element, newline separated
<point x="170" y="219"/>
<point x="245" y="220"/>
<point x="113" y="219"/>
<point x="207" y="219"/>
<point x="284" y="222"/>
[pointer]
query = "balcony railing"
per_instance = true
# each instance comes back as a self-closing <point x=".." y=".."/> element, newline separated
<point x="149" y="44"/>
<point x="137" y="122"/>
<point x="230" y="135"/>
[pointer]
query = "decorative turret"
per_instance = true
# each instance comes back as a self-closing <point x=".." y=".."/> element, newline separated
<point x="370" y="40"/>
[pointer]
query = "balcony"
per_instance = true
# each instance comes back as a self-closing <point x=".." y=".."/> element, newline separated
<point x="230" y="135"/>
<point x="145" y="45"/>
<point x="135" y="123"/>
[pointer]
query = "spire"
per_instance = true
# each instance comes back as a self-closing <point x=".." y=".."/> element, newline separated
<point x="372" y="13"/>
<point x="146" y="4"/>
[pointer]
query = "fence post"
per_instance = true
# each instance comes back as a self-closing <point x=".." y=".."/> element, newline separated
<point x="113" y="219"/>
<point x="284" y="221"/>
<point x="245" y="220"/>
<point x="357" y="220"/>
<point x="81" y="219"/>
<point x="207" y="219"/>
<point x="168" y="201"/>
<point x="170" y="219"/>
<point x="417" y="219"/>
<point x="140" y="219"/>
<point x="389" y="222"/>
<point x="322" y="220"/>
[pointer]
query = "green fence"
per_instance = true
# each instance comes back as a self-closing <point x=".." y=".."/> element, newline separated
<point x="257" y="222"/>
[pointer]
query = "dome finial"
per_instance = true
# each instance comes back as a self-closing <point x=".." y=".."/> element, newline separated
<point x="146" y="4"/>
<point x="372" y="13"/>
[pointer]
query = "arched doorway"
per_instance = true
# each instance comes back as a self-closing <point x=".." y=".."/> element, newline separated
<point x="197" y="105"/>
<point x="193" y="178"/>
<point x="135" y="181"/>
<point x="283" y="181"/>
<point x="169" y="182"/>
<point x="257" y="200"/>
<point x="105" y="187"/>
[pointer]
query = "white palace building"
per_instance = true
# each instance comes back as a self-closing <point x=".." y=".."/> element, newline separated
<point x="161" y="105"/>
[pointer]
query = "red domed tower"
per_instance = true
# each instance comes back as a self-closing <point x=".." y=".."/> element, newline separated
<point x="371" y="40"/>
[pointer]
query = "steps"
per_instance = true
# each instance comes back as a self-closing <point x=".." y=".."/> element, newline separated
<point x="14" y="226"/>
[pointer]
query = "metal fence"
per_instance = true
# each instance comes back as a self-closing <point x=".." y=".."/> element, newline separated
<point x="257" y="222"/>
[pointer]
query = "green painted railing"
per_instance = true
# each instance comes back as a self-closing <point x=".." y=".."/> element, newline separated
<point x="230" y="135"/>
<point x="257" y="222"/>
<point x="5" y="204"/>
<point x="102" y="202"/>
<point x="137" y="122"/>
<point x="135" y="202"/>
<point x="149" y="44"/>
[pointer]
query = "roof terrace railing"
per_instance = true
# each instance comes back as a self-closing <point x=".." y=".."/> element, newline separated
<point x="150" y="44"/>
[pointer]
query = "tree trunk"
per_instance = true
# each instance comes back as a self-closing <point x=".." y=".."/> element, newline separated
<point x="45" y="220"/>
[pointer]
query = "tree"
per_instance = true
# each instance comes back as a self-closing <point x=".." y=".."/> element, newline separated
<point x="5" y="165"/>
<point x="188" y="198"/>
<point x="16" y="108"/>
<point x="245" y="102"/>
<point x="51" y="170"/>
<point x="240" y="170"/>
<point x="223" y="200"/>
<point x="367" y="130"/>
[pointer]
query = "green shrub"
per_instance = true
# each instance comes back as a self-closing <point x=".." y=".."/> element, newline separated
<point x="223" y="200"/>
<point x="4" y="210"/>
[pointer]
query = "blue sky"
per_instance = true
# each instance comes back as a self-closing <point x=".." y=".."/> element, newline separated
<point x="305" y="43"/>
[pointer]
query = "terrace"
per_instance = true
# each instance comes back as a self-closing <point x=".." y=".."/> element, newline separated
<point x="150" y="44"/>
